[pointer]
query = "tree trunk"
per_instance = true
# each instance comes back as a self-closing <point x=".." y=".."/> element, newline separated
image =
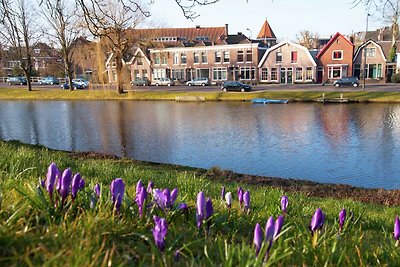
<point x="118" y="70"/>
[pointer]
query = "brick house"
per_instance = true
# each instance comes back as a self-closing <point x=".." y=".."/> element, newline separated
<point x="287" y="63"/>
<point x="335" y="60"/>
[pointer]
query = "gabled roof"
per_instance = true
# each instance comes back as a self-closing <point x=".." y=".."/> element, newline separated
<point x="213" y="33"/>
<point x="336" y="36"/>
<point x="300" y="47"/>
<point x="134" y="57"/>
<point x="370" y="42"/>
<point x="266" y="31"/>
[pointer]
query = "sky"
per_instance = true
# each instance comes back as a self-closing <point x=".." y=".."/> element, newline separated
<point x="286" y="17"/>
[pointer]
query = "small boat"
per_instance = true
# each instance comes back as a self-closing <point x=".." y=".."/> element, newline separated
<point x="269" y="101"/>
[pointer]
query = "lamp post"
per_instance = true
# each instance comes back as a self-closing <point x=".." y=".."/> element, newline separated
<point x="251" y="48"/>
<point x="365" y="50"/>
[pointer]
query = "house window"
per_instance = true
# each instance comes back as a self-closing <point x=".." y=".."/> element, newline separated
<point x="240" y="57"/>
<point x="299" y="74"/>
<point x="264" y="74"/>
<point x="247" y="73"/>
<point x="218" y="57"/>
<point x="136" y="74"/>
<point x="157" y="59"/>
<point x="294" y="57"/>
<point x="139" y="60"/>
<point x="370" y="51"/>
<point x="337" y="55"/>
<point x="183" y="58"/>
<point x="178" y="74"/>
<point x="176" y="58"/>
<point x="158" y="74"/>
<point x="144" y="74"/>
<point x="309" y="73"/>
<point x="334" y="72"/>
<point x="274" y="74"/>
<point x="204" y="57"/>
<point x="219" y="74"/>
<point x="249" y="56"/>
<point x="226" y="56"/>
<point x="278" y="57"/>
<point x="196" y="57"/>
<point x="373" y="71"/>
<point x="164" y="60"/>
<point x="357" y="70"/>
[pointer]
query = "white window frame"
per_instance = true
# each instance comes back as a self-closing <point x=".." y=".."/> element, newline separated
<point x="219" y="74"/>
<point x="341" y="55"/>
<point x="301" y="74"/>
<point x="264" y="74"/>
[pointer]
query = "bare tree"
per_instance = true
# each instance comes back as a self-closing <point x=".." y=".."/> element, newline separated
<point x="188" y="6"/>
<point x="308" y="39"/>
<point x="19" y="32"/>
<point x="62" y="18"/>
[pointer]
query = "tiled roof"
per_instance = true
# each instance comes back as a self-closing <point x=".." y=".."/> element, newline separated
<point x="266" y="31"/>
<point x="386" y="46"/>
<point x="337" y="35"/>
<point x="213" y="33"/>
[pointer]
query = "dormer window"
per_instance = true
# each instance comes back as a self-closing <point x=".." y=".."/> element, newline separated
<point x="337" y="55"/>
<point x="370" y="51"/>
<point x="36" y="50"/>
<point x="202" y="38"/>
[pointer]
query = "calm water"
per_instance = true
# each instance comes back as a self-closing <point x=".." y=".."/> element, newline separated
<point x="352" y="144"/>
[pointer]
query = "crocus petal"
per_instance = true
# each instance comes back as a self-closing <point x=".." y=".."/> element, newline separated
<point x="150" y="187"/>
<point x="269" y="230"/>
<point x="342" y="217"/>
<point x="167" y="197"/>
<point x="258" y="237"/>
<point x="317" y="220"/>
<point x="182" y="206"/>
<point x="284" y="203"/>
<point x="222" y="192"/>
<point x="228" y="199"/>
<point x="201" y="208"/>
<point x="52" y="172"/>
<point x="174" y="196"/>
<point x="246" y="200"/>
<point x="75" y="185"/>
<point x="159" y="232"/>
<point x="65" y="183"/>
<point x="278" y="226"/>
<point x="240" y="195"/>
<point x="97" y="190"/>
<point x="117" y="192"/>
<point x="81" y="184"/>
<point x="396" y="232"/>
<point x="159" y="198"/>
<point x="209" y="208"/>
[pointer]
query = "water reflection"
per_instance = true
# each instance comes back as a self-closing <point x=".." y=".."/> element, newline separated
<point x="352" y="144"/>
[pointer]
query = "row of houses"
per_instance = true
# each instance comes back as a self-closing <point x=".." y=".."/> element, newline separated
<point x="186" y="53"/>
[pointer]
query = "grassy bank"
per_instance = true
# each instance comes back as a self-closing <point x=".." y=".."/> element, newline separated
<point x="46" y="94"/>
<point x="35" y="232"/>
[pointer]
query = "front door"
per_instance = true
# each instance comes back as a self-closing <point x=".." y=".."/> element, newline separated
<point x="289" y="75"/>
<point x="283" y="75"/>
<point x="320" y="74"/>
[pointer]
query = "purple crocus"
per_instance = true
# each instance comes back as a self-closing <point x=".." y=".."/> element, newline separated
<point x="81" y="184"/>
<point x="150" y="187"/>
<point x="51" y="177"/>
<point x="97" y="190"/>
<point x="317" y="220"/>
<point x="278" y="226"/>
<point x="183" y="207"/>
<point x="269" y="234"/>
<point x="284" y="203"/>
<point x="342" y="218"/>
<point x="159" y="232"/>
<point x="117" y="189"/>
<point x="258" y="237"/>
<point x="223" y="192"/>
<point x="246" y="200"/>
<point x="174" y="196"/>
<point x="167" y="198"/>
<point x="42" y="183"/>
<point x="396" y="232"/>
<point x="75" y="185"/>
<point x="201" y="208"/>
<point x="228" y="199"/>
<point x="240" y="195"/>
<point x="159" y="198"/>
<point x="209" y="208"/>
<point x="141" y="195"/>
<point x="65" y="183"/>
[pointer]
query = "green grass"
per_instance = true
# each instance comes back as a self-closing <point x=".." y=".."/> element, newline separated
<point x="34" y="233"/>
<point x="46" y="94"/>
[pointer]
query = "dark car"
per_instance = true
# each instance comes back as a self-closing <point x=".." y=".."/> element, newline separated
<point x="17" y="80"/>
<point x="235" y="86"/>
<point x="75" y="85"/>
<point x="141" y="82"/>
<point x="49" y="80"/>
<point x="347" y="81"/>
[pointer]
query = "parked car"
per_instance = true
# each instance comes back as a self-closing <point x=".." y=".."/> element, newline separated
<point x="235" y="86"/>
<point x="163" y="81"/>
<point x="198" y="81"/>
<point x="17" y="80"/>
<point x="49" y="80"/>
<point x="75" y="86"/>
<point x="349" y="81"/>
<point x="81" y="82"/>
<point x="140" y="82"/>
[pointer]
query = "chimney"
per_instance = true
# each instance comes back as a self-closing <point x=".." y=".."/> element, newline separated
<point x="226" y="30"/>
<point x="380" y="34"/>
<point x="197" y="26"/>
<point x="240" y="33"/>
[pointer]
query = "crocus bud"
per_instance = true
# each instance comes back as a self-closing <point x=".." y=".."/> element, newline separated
<point x="159" y="232"/>
<point x="284" y="203"/>
<point x="209" y="208"/>
<point x="317" y="220"/>
<point x="81" y="184"/>
<point x="342" y="218"/>
<point x="201" y="208"/>
<point x="139" y="185"/>
<point x="52" y="172"/>
<point x="246" y="200"/>
<point x="117" y="189"/>
<point x="75" y="185"/>
<point x="183" y="207"/>
<point x="141" y="196"/>
<point x="159" y="198"/>
<point x="396" y="232"/>
<point x="240" y="195"/>
<point x="228" y="199"/>
<point x="65" y="184"/>
<point x="269" y="231"/>
<point x="150" y="187"/>
<point x="97" y="190"/>
<point x="258" y="237"/>
<point x="174" y="196"/>
<point x="167" y="197"/>
<point x="223" y="192"/>
<point x="278" y="226"/>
